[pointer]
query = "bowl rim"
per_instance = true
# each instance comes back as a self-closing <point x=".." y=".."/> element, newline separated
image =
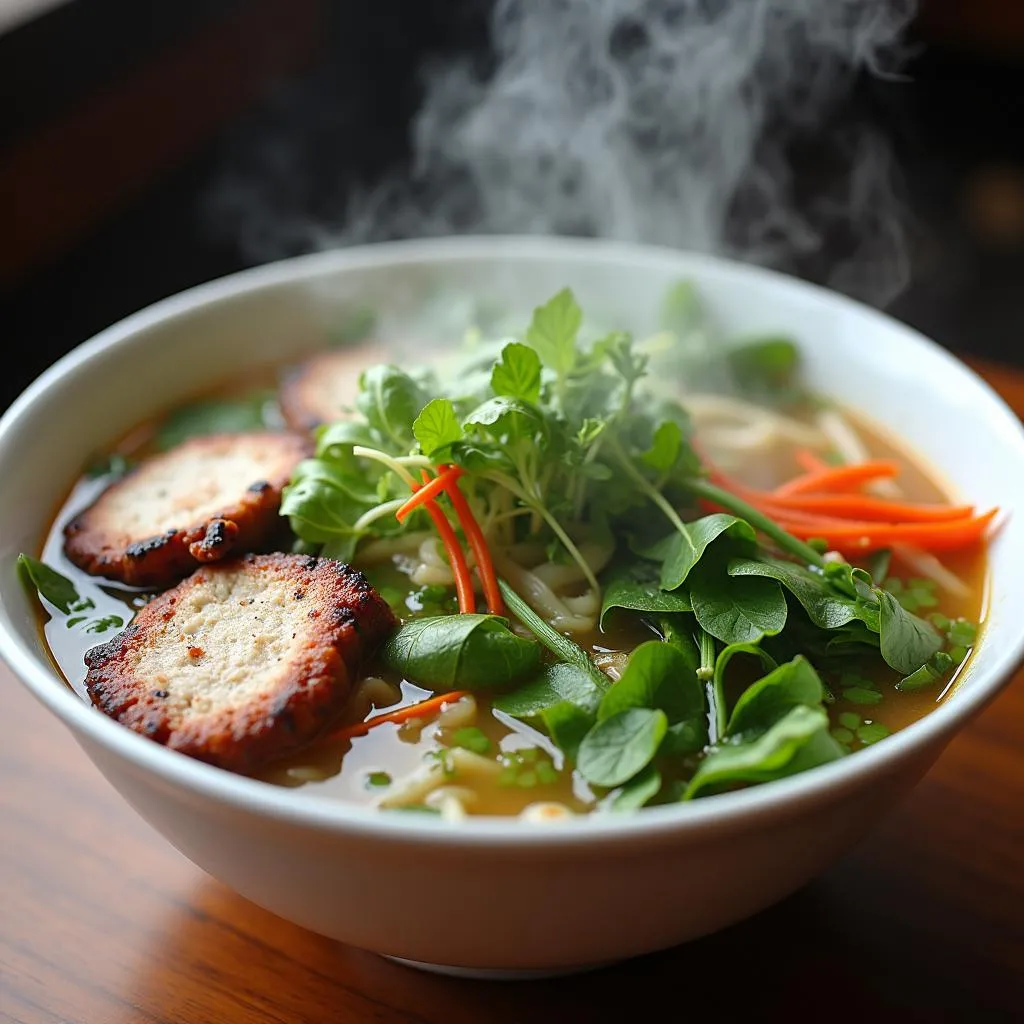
<point x="728" y="810"/>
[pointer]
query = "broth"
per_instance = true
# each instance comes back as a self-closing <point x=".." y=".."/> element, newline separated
<point x="529" y="768"/>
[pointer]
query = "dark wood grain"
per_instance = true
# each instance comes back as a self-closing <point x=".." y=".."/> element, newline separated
<point x="102" y="922"/>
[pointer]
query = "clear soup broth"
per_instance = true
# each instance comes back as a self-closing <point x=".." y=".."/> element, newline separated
<point x="472" y="758"/>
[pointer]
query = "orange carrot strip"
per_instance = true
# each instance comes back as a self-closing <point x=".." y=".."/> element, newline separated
<point x="837" y="478"/>
<point x="429" y="492"/>
<point x="477" y="543"/>
<point x="853" y="536"/>
<point x="858" y="506"/>
<point x="810" y="462"/>
<point x="456" y="559"/>
<point x="849" y="506"/>
<point x="419" y="710"/>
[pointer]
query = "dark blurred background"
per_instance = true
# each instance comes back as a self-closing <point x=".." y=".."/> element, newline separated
<point x="119" y="119"/>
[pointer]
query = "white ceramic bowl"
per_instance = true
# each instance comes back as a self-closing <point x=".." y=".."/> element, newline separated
<point x="504" y="895"/>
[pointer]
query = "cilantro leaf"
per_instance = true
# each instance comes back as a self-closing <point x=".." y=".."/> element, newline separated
<point x="437" y="426"/>
<point x="517" y="373"/>
<point x="553" y="330"/>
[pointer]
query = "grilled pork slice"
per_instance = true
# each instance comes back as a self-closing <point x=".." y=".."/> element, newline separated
<point x="323" y="388"/>
<point x="243" y="662"/>
<point x="207" y="498"/>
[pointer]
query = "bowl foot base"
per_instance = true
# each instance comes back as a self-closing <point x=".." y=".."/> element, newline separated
<point x="495" y="974"/>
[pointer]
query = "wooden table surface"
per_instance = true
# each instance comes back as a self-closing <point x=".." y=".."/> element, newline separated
<point x="101" y="921"/>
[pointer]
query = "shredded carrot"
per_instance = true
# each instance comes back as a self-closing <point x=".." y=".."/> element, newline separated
<point x="849" y="535"/>
<point x="430" y="491"/>
<point x="860" y="506"/>
<point x="456" y="559"/>
<point x="839" y="478"/>
<point x="477" y="542"/>
<point x="811" y="462"/>
<point x="855" y="523"/>
<point x="422" y="709"/>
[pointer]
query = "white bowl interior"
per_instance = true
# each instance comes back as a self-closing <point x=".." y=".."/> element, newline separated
<point x="188" y="343"/>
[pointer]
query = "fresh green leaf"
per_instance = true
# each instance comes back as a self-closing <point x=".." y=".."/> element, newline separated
<point x="683" y="551"/>
<point x="216" y="416"/>
<point x="638" y="791"/>
<point x="619" y="747"/>
<point x="657" y="675"/>
<point x="437" y="426"/>
<point x="553" y="330"/>
<point x="335" y="442"/>
<point x="113" y="465"/>
<point x="907" y="642"/>
<point x="567" y="724"/>
<point x="798" y="741"/>
<point x="559" y="645"/>
<point x="472" y="738"/>
<point x="761" y="705"/>
<point x="929" y="673"/>
<point x="766" y="368"/>
<point x="872" y="732"/>
<point x="390" y="401"/>
<point x="517" y="373"/>
<point x="721" y="665"/>
<point x="665" y="447"/>
<point x="826" y="607"/>
<point x="740" y="609"/>
<point x="465" y="652"/>
<point x="56" y="588"/>
<point x="556" y="683"/>
<point x="634" y="588"/>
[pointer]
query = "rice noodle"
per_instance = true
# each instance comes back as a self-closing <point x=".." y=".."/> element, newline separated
<point x="460" y="714"/>
<point x="925" y="564"/>
<point x="542" y="598"/>
<point x="457" y="764"/>
<point x="709" y="411"/>
<point x="385" y="549"/>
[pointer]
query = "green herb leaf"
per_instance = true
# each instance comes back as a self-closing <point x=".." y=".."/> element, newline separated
<point x="665" y="447"/>
<point x="637" y="792"/>
<point x="761" y="705"/>
<point x="390" y="401"/>
<point x="737" y="610"/>
<point x="437" y="426"/>
<point x="798" y="741"/>
<point x="517" y="373"/>
<point x="57" y="589"/>
<point x="559" y="645"/>
<point x="220" y="416"/>
<point x="466" y="652"/>
<point x="471" y="738"/>
<point x="907" y="642"/>
<point x="636" y="589"/>
<point x="826" y="607"/>
<point x="553" y="331"/>
<point x="719" y="680"/>
<point x="766" y="368"/>
<point x="657" y="675"/>
<point x="682" y="551"/>
<point x="931" y="672"/>
<point x="567" y="724"/>
<point x="619" y="747"/>
<point x="556" y="683"/>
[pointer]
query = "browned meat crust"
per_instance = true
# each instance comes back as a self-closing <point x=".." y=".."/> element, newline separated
<point x="245" y="661"/>
<point x="323" y="388"/>
<point x="208" y="498"/>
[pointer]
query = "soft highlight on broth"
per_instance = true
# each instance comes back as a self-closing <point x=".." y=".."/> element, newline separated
<point x="766" y="636"/>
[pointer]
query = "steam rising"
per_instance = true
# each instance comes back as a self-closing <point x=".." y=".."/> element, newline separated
<point x="665" y="121"/>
